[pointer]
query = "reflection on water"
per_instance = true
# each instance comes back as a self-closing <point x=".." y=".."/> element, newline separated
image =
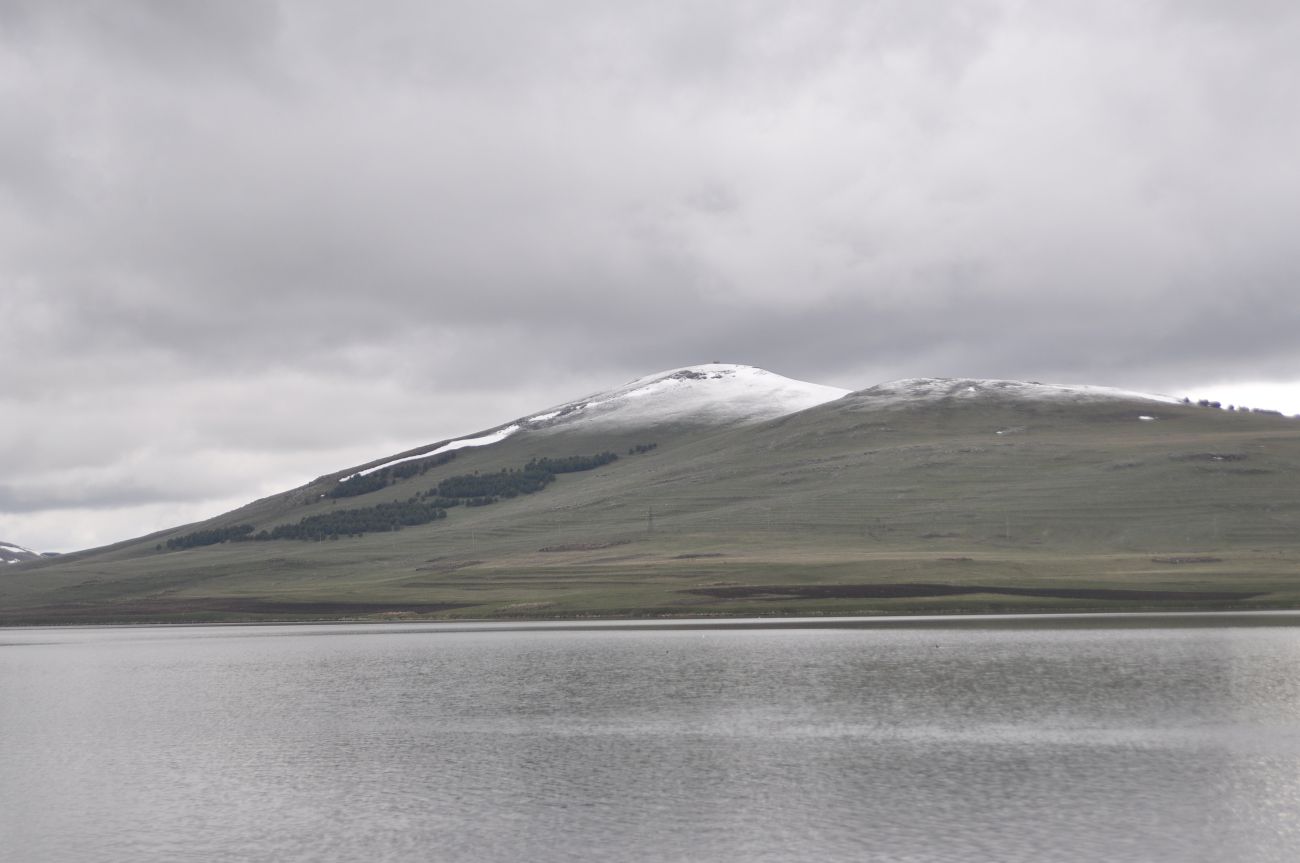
<point x="933" y="743"/>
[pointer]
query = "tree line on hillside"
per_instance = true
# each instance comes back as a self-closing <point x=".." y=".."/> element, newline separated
<point x="379" y="518"/>
<point x="571" y="464"/>
<point x="469" y="490"/>
<point x="360" y="484"/>
<point x="211" y="536"/>
<point x="507" y="483"/>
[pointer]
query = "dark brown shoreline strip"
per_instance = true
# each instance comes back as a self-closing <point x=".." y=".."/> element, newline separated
<point x="913" y="591"/>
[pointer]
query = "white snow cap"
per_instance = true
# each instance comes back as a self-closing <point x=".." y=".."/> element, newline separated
<point x="710" y="393"/>
<point x="920" y="390"/>
<point x="714" y="393"/>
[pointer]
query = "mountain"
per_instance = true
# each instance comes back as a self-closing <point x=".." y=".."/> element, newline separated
<point x="722" y="489"/>
<point x="10" y="553"/>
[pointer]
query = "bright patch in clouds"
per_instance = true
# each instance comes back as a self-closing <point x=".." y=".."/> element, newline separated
<point x="1269" y="396"/>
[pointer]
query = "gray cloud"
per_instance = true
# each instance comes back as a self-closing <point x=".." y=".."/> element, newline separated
<point x="289" y="229"/>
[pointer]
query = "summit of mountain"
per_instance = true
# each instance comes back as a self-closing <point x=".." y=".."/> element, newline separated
<point x="698" y="397"/>
<point x="709" y="394"/>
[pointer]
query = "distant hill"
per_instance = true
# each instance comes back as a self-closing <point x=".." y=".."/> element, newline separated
<point x="722" y="489"/>
<point x="10" y="553"/>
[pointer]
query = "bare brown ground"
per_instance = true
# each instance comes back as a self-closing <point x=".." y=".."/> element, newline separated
<point x="910" y="591"/>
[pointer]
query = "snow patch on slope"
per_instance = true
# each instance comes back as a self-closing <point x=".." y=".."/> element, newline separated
<point x="911" y="391"/>
<point x="480" y="440"/>
<point x="10" y="553"/>
<point x="713" y="393"/>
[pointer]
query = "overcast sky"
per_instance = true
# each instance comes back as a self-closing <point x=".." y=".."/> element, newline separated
<point x="244" y="243"/>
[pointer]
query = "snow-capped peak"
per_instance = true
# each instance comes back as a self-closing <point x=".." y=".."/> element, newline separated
<point x="709" y="393"/>
<point x="921" y="390"/>
<point x="10" y="553"/>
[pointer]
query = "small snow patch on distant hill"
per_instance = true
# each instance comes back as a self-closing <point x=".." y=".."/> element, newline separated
<point x="10" y="553"/>
<point x="921" y="390"/>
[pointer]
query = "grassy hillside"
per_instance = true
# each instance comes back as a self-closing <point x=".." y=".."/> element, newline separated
<point x="844" y="508"/>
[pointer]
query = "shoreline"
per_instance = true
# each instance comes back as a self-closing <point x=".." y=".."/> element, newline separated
<point x="1052" y="619"/>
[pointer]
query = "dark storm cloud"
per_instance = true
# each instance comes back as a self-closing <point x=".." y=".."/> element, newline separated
<point x="279" y="230"/>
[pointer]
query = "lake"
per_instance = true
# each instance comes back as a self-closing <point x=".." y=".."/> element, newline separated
<point x="1107" y="738"/>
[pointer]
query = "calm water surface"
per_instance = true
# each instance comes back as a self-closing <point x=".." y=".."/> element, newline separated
<point x="1114" y="740"/>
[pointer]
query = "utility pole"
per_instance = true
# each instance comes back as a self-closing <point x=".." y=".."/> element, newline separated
<point x="650" y="519"/>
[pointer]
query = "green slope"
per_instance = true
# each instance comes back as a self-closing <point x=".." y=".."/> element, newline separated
<point x="999" y="504"/>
